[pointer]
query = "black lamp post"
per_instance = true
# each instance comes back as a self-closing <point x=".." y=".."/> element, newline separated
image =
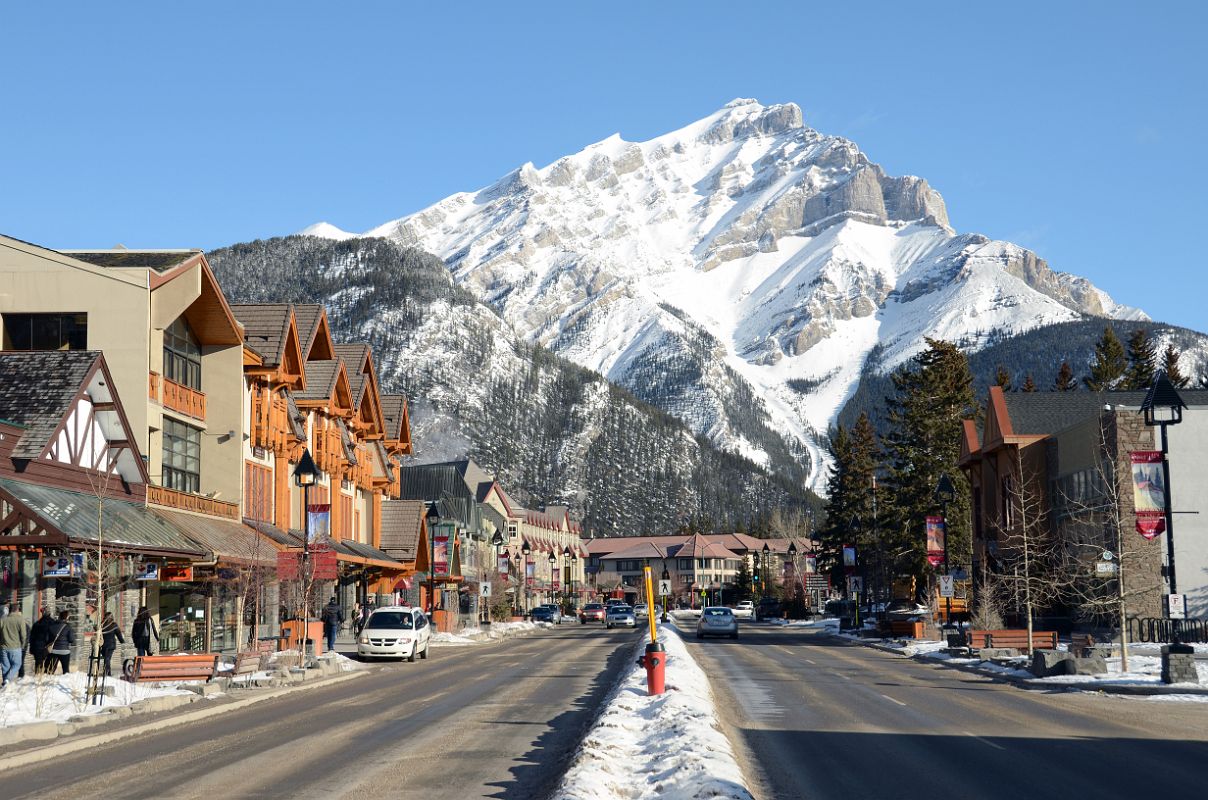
<point x="306" y="474"/>
<point x="945" y="493"/>
<point x="1161" y="408"/>
<point x="853" y="527"/>
<point x="553" y="565"/>
<point x="432" y="517"/>
<point x="527" y="550"/>
<point x="667" y="577"/>
<point x="793" y="561"/>
<point x="570" y="560"/>
<point x="497" y="543"/>
<point x="764" y="578"/>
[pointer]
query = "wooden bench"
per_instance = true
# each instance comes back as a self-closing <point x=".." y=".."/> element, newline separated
<point x="171" y="668"/>
<point x="1013" y="639"/>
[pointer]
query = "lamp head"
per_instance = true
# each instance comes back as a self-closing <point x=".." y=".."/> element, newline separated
<point x="433" y="515"/>
<point x="945" y="490"/>
<point x="497" y="539"/>
<point x="1162" y="404"/>
<point x="306" y="473"/>
<point x="792" y="549"/>
<point x="526" y="548"/>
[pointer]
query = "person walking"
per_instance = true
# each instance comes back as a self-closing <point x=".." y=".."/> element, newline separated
<point x="111" y="634"/>
<point x="333" y="617"/>
<point x="62" y="637"/>
<point x="357" y="610"/>
<point x="14" y="634"/>
<point x="39" y="640"/>
<point x="143" y="631"/>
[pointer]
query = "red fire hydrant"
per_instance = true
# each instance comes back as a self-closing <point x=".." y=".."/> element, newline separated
<point x="655" y="662"/>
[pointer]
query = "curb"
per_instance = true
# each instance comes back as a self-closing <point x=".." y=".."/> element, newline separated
<point x="48" y="752"/>
<point x="1030" y="683"/>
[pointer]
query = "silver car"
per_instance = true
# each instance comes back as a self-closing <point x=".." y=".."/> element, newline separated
<point x="717" y="621"/>
<point x="620" y="617"/>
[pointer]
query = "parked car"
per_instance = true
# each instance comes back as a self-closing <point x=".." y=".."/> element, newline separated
<point x="745" y="610"/>
<point x="592" y="612"/>
<point x="717" y="621"/>
<point x="640" y="610"/>
<point x="547" y="613"/>
<point x="395" y="632"/>
<point x="612" y="601"/>
<point x="620" y="616"/>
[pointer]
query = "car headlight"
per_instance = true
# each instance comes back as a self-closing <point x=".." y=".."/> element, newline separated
<point x="364" y="640"/>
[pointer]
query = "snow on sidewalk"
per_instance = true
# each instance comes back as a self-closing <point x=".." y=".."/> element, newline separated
<point x="58" y="698"/>
<point x="492" y="633"/>
<point x="668" y="746"/>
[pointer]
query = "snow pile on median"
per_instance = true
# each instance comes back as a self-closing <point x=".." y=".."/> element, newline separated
<point x="669" y="746"/>
<point x="494" y="632"/>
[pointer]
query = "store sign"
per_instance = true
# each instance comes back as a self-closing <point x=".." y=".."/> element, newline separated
<point x="324" y="565"/>
<point x="63" y="566"/>
<point x="176" y="572"/>
<point x="147" y="571"/>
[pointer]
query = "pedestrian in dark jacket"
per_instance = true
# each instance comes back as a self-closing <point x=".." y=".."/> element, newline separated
<point x="62" y="637"/>
<point x="111" y="634"/>
<point x="39" y="640"/>
<point x="333" y="617"/>
<point x="143" y="631"/>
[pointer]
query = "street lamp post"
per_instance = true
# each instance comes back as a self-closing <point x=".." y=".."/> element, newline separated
<point x="497" y="543"/>
<point x="793" y="561"/>
<point x="526" y="549"/>
<point x="853" y="527"/>
<point x="570" y="582"/>
<point x="1161" y="408"/>
<point x="553" y="565"/>
<point x="764" y="569"/>
<point x="945" y="493"/>
<point x="666" y="576"/>
<point x="306" y="474"/>
<point x="432" y="517"/>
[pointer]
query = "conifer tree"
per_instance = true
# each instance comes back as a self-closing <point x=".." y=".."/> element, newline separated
<point x="1029" y="385"/>
<point x="1003" y="378"/>
<point x="1107" y="371"/>
<point x="1065" y="378"/>
<point x="1142" y="361"/>
<point x="857" y="455"/>
<point x="1170" y="363"/>
<point x="934" y="395"/>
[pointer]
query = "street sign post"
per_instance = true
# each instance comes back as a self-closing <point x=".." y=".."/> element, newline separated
<point x="1176" y="604"/>
<point x="664" y="588"/>
<point x="1106" y="568"/>
<point x="855" y="584"/>
<point x="484" y="589"/>
<point x="947" y="583"/>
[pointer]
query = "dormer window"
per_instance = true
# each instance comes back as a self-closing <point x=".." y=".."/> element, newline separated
<point x="182" y="355"/>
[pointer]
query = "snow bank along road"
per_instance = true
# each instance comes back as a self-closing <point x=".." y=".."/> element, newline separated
<point x="815" y="717"/>
<point x="491" y="720"/>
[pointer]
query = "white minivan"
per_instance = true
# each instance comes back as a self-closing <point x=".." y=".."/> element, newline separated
<point x="395" y="632"/>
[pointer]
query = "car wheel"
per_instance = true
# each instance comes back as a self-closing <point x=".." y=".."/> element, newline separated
<point x="733" y="635"/>
<point x="424" y="654"/>
<point x="700" y="636"/>
<point x="411" y="658"/>
<point x="582" y="622"/>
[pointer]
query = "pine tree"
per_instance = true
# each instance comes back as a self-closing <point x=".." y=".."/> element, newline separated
<point x="933" y="398"/>
<point x="1003" y="378"/>
<point x="857" y="454"/>
<point x="1065" y="378"/>
<point x="1142" y="361"/>
<point x="1170" y="363"/>
<point x="1029" y="385"/>
<point x="742" y="581"/>
<point x="1110" y="363"/>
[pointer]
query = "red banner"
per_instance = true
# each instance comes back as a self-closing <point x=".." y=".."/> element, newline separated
<point x="440" y="550"/>
<point x="503" y="564"/>
<point x="529" y="573"/>
<point x="936" y="534"/>
<point x="1150" y="524"/>
<point x="324" y="566"/>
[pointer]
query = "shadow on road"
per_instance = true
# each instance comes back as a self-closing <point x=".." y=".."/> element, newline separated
<point x="539" y="771"/>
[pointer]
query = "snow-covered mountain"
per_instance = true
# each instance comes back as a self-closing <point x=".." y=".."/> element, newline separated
<point x="740" y="272"/>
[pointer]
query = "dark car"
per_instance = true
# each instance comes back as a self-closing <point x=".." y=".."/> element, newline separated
<point x="546" y="613"/>
<point x="768" y="608"/>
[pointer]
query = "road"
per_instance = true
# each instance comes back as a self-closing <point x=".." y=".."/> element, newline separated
<point x="814" y="717"/>
<point x="491" y="720"/>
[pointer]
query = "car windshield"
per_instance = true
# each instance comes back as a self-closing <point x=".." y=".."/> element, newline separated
<point x="592" y="607"/>
<point x="717" y="612"/>
<point x="394" y="620"/>
<point x="620" y="610"/>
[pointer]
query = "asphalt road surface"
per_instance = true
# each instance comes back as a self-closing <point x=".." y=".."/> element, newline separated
<point x="814" y="717"/>
<point x="490" y="720"/>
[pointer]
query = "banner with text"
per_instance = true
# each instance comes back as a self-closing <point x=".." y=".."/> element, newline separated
<point x="935" y="540"/>
<point x="1148" y="495"/>
<point x="440" y="550"/>
<point x="503" y="564"/>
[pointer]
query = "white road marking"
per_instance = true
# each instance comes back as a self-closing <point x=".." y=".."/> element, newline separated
<point x="841" y="675"/>
<point x="890" y="699"/>
<point x="811" y="661"/>
<point x="984" y="741"/>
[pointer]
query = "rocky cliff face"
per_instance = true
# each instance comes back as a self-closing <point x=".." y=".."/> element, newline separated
<point x="717" y="269"/>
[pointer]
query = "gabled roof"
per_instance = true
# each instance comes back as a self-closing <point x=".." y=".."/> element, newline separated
<point x="265" y="328"/>
<point x="396" y="419"/>
<point x="120" y="258"/>
<point x="314" y="333"/>
<point x="39" y="388"/>
<point x="402" y="521"/>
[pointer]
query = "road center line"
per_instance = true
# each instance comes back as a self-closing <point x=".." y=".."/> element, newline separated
<point x="841" y="675"/>
<point x="890" y="699"/>
<point x="811" y="661"/>
<point x="984" y="741"/>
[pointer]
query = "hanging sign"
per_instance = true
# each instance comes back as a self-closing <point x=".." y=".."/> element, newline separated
<point x="63" y="566"/>
<point x="318" y="520"/>
<point x="849" y="555"/>
<point x="176" y="572"/>
<point x="324" y="565"/>
<point x="936" y="532"/>
<point x="811" y="563"/>
<point x="529" y="568"/>
<point x="440" y="550"/>
<point x="1151" y="524"/>
<point x="147" y="571"/>
<point x="503" y="564"/>
<point x="288" y="566"/>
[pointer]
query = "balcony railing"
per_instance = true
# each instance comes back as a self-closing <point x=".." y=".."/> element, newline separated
<point x="153" y="381"/>
<point x="183" y="501"/>
<point x="184" y="400"/>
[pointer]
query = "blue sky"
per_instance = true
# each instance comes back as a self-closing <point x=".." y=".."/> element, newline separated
<point x="1076" y="129"/>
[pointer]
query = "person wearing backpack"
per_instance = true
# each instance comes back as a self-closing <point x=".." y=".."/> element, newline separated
<point x="62" y="637"/>
<point x="143" y="631"/>
<point x="333" y="617"/>
<point x="39" y="640"/>
<point x="111" y="634"/>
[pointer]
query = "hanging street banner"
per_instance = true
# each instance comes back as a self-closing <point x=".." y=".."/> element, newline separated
<point x="555" y="581"/>
<point x="440" y="550"/>
<point x="811" y="563"/>
<point x="935" y="540"/>
<point x="849" y="555"/>
<point x="318" y="520"/>
<point x="529" y="567"/>
<point x="1150" y="525"/>
<point x="1148" y="495"/>
<point x="324" y="564"/>
<point x="502" y="563"/>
